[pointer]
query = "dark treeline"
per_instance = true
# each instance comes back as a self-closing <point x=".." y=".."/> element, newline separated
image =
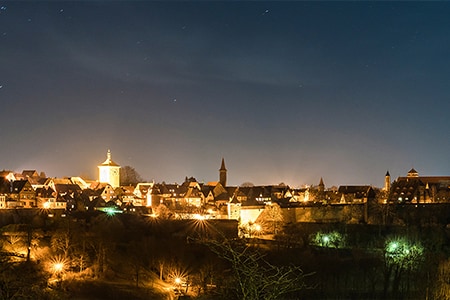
<point x="140" y="257"/>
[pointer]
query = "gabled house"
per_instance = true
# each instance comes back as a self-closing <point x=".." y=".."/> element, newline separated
<point x="8" y="175"/>
<point x="37" y="180"/>
<point x="46" y="199"/>
<point x="143" y="194"/>
<point x="355" y="194"/>
<point x="170" y="194"/>
<point x="66" y="192"/>
<point x="107" y="192"/>
<point x="22" y="194"/>
<point x="208" y="193"/>
<point x="4" y="192"/>
<point x="83" y="184"/>
<point x="234" y="209"/>
<point x="219" y="193"/>
<point x="298" y="195"/>
<point x="126" y="194"/>
<point x="194" y="195"/>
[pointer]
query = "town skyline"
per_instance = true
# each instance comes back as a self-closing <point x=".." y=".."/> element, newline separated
<point x="180" y="179"/>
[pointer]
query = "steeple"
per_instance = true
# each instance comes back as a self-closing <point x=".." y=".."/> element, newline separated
<point x="223" y="174"/>
<point x="321" y="185"/>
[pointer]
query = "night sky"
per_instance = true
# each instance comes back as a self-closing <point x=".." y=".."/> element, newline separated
<point x="284" y="91"/>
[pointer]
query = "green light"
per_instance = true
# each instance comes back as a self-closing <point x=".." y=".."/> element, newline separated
<point x="392" y="246"/>
<point x="110" y="211"/>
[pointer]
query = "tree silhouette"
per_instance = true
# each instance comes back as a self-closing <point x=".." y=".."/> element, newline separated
<point x="254" y="277"/>
<point x="129" y="176"/>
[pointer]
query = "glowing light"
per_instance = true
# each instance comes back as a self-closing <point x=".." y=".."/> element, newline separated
<point x="331" y="239"/>
<point x="46" y="205"/>
<point x="199" y="217"/>
<point x="58" y="267"/>
<point x="110" y="211"/>
<point x="392" y="246"/>
<point x="178" y="278"/>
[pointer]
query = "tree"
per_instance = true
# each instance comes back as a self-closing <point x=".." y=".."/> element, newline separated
<point x="272" y="215"/>
<point x="332" y="239"/>
<point x="400" y="254"/>
<point x="254" y="277"/>
<point x="129" y="176"/>
<point x="442" y="288"/>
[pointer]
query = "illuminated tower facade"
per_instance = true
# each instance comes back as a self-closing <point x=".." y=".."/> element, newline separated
<point x="223" y="174"/>
<point x="109" y="172"/>
<point x="387" y="182"/>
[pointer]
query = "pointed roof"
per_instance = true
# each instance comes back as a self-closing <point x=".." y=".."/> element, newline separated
<point x="413" y="173"/>
<point x="109" y="161"/>
<point x="321" y="182"/>
<point x="387" y="173"/>
<point x="222" y="166"/>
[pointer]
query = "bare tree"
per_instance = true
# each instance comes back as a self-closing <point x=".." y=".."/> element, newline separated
<point x="254" y="277"/>
<point x="129" y="176"/>
<point x="272" y="215"/>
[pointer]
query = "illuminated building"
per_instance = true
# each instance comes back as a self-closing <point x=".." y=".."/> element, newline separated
<point x="109" y="172"/>
<point x="420" y="189"/>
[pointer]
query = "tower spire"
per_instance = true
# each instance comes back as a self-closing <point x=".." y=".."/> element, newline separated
<point x="223" y="173"/>
<point x="387" y="182"/>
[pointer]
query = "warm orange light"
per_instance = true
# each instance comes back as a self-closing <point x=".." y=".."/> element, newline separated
<point x="58" y="267"/>
<point x="199" y="217"/>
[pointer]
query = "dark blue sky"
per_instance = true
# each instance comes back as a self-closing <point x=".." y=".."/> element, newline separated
<point x="284" y="91"/>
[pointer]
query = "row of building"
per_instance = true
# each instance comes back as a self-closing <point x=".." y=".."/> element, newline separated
<point x="31" y="189"/>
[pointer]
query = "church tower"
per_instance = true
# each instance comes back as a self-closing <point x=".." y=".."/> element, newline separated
<point x="223" y="174"/>
<point x="321" y="186"/>
<point x="109" y="171"/>
<point x="387" y="182"/>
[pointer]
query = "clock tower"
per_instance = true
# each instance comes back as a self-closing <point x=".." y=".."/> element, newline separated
<point x="109" y="172"/>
